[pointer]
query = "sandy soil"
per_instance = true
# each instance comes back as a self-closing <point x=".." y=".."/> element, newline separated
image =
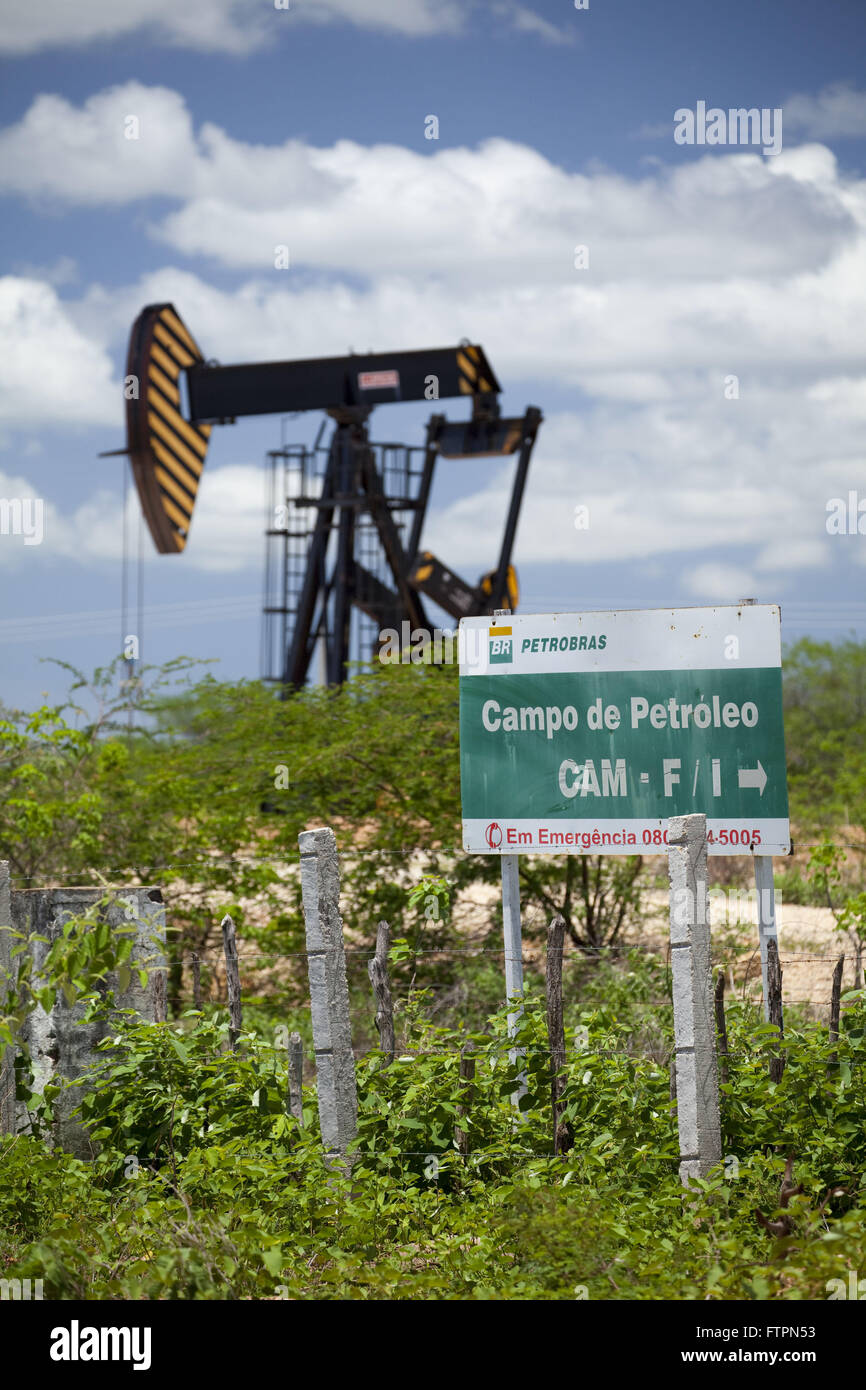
<point x="809" y="943"/>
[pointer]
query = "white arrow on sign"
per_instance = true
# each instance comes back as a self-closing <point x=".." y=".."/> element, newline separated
<point x="753" y="777"/>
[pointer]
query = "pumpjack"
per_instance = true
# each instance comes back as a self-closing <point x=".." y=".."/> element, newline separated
<point x="346" y="519"/>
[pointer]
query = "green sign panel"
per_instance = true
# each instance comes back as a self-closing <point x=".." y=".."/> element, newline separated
<point x="586" y="732"/>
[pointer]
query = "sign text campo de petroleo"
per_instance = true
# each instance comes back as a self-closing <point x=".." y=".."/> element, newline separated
<point x="583" y="733"/>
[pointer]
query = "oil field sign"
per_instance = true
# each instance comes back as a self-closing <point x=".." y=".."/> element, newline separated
<point x="583" y="733"/>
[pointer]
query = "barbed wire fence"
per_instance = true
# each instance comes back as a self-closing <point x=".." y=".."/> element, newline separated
<point x="254" y="967"/>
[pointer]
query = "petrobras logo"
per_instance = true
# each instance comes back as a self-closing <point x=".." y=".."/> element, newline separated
<point x="500" y="648"/>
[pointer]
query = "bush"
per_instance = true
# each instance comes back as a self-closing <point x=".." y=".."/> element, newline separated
<point x="205" y="1189"/>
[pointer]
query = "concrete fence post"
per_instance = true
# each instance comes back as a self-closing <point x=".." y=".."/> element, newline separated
<point x="329" y="990"/>
<point x="697" y="1081"/>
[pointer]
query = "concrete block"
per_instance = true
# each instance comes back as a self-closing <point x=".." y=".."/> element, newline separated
<point x="61" y="1045"/>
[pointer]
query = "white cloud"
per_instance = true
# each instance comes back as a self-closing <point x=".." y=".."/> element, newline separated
<point x="689" y="283"/>
<point x="501" y="214"/>
<point x="722" y="583"/>
<point x="685" y="476"/>
<point x="654" y="130"/>
<point x="414" y="18"/>
<point x="229" y="519"/>
<point x="526" y="21"/>
<point x="840" y="110"/>
<point x="233" y="26"/>
<point x="794" y="553"/>
<point x="52" y="374"/>
<point x="692" y="478"/>
<point x="837" y="110"/>
<point x="226" y="534"/>
<point x="63" y="271"/>
<point x="240" y="26"/>
<point x="82" y="155"/>
<point x="22" y="521"/>
<point x="846" y="396"/>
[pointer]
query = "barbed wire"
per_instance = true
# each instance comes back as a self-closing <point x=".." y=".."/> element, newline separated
<point x="585" y="956"/>
<point x="478" y="1158"/>
<point x="577" y="1051"/>
<point x="526" y="1051"/>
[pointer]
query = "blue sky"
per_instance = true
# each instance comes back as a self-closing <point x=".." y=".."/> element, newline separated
<point x="306" y="126"/>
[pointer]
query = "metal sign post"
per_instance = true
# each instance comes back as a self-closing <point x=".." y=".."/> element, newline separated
<point x="766" y="896"/>
<point x="513" y="956"/>
<point x="513" y="941"/>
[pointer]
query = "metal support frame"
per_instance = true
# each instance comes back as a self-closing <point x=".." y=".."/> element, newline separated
<point x="767" y="930"/>
<point x="338" y="578"/>
<point x="424" y="489"/>
<point x="298" y="654"/>
<point x="531" y="422"/>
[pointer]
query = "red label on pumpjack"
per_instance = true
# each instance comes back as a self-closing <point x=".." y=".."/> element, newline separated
<point x="375" y="381"/>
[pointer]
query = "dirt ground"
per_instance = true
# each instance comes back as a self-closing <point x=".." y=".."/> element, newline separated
<point x="809" y="943"/>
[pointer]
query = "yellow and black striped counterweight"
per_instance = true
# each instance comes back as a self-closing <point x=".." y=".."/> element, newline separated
<point x="166" y="451"/>
<point x="511" y="598"/>
<point x="471" y="369"/>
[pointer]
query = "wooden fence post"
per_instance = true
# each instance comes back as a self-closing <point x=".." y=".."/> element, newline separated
<point x="377" y="969"/>
<point x="296" y="1077"/>
<point x="721" y="1026"/>
<point x="233" y="980"/>
<point x="836" y="1003"/>
<point x="563" y="1136"/>
<point x="467" y="1076"/>
<point x="196" y="981"/>
<point x="160" y="995"/>
<point x="329" y="990"/>
<point x="774" y="990"/>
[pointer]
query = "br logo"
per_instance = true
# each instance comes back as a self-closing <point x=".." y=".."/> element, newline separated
<point x="499" y="645"/>
<point x="493" y="835"/>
